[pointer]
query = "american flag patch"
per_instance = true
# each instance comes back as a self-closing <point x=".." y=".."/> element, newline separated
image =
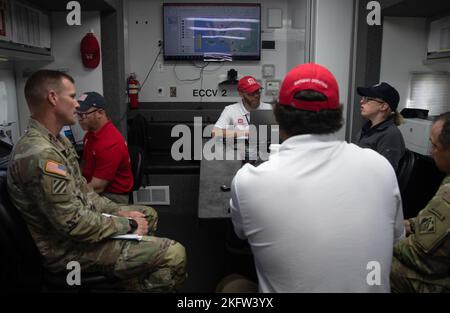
<point x="59" y="187"/>
<point x="55" y="168"/>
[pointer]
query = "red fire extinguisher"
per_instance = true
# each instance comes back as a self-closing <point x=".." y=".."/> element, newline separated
<point x="133" y="87"/>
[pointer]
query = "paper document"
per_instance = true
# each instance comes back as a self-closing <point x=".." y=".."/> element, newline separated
<point x="128" y="237"/>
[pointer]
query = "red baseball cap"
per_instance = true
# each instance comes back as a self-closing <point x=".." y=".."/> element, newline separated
<point x="90" y="51"/>
<point x="314" y="77"/>
<point x="248" y="84"/>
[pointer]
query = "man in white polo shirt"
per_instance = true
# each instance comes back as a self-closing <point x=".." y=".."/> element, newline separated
<point x="321" y="215"/>
<point x="235" y="118"/>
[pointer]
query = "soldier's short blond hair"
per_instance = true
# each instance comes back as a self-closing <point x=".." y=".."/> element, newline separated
<point x="40" y="83"/>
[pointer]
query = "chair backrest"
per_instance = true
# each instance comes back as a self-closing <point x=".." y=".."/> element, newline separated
<point x="137" y="158"/>
<point x="404" y="175"/>
<point x="21" y="264"/>
<point x="5" y="148"/>
<point x="139" y="133"/>
<point x="405" y="169"/>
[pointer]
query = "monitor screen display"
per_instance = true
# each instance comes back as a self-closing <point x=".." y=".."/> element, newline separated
<point x="212" y="31"/>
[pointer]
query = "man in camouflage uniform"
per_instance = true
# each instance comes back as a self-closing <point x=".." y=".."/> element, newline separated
<point x="64" y="215"/>
<point x="421" y="262"/>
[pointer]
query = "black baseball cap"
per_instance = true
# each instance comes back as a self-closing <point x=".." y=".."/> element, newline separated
<point x="91" y="99"/>
<point x="382" y="91"/>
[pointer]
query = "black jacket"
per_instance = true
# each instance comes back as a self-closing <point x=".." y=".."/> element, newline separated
<point x="385" y="138"/>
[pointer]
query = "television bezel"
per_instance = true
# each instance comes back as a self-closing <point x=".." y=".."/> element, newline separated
<point x="200" y="57"/>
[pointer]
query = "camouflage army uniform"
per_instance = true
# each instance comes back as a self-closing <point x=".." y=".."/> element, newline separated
<point x="65" y="218"/>
<point x="421" y="262"/>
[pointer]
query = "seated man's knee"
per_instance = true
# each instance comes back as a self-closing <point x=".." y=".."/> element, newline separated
<point x="171" y="271"/>
<point x="152" y="218"/>
<point x="175" y="258"/>
<point x="149" y="212"/>
<point x="236" y="283"/>
<point x="176" y="255"/>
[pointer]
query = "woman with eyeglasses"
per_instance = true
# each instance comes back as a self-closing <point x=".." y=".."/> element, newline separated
<point x="379" y="105"/>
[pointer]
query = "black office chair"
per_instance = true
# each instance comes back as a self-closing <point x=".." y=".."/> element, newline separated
<point x="21" y="262"/>
<point x="5" y="149"/>
<point x="137" y="157"/>
<point x="233" y="243"/>
<point x="404" y="176"/>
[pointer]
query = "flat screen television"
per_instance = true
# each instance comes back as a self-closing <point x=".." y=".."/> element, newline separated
<point x="219" y="31"/>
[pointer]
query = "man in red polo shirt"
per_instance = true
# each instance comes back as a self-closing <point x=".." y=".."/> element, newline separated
<point x="106" y="162"/>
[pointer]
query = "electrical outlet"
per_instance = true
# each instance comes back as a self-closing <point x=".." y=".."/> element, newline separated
<point x="173" y="92"/>
<point x="161" y="91"/>
<point x="268" y="70"/>
<point x="272" y="87"/>
<point x="160" y="67"/>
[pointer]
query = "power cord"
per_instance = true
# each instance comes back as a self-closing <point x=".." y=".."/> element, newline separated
<point x="151" y="68"/>
<point x="201" y="81"/>
<point x="187" y="80"/>
<point x="200" y="77"/>
<point x="143" y="83"/>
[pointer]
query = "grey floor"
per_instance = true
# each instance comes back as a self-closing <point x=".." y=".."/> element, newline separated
<point x="207" y="242"/>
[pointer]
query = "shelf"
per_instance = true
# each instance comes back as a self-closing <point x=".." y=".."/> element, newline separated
<point x="12" y="51"/>
<point x="229" y="83"/>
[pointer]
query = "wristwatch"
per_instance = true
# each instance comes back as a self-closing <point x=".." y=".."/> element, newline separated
<point x="133" y="226"/>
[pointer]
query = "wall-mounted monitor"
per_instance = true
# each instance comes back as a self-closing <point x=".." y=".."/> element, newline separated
<point x="219" y="31"/>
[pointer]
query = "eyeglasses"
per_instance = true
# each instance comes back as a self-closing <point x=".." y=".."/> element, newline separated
<point x="83" y="115"/>
<point x="367" y="99"/>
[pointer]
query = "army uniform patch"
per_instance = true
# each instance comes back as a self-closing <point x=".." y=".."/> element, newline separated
<point x="55" y="168"/>
<point x="427" y="224"/>
<point x="438" y="214"/>
<point x="59" y="187"/>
